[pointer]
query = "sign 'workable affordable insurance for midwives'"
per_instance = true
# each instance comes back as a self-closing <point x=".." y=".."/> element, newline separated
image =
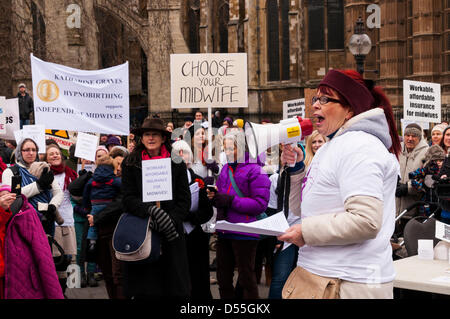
<point x="94" y="101"/>
<point x="422" y="101"/>
<point x="156" y="180"/>
<point x="208" y="80"/>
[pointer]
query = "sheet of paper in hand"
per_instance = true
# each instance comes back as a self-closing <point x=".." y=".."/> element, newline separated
<point x="274" y="225"/>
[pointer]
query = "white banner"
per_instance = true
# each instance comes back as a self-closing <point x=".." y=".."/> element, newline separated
<point x="208" y="80"/>
<point x="78" y="100"/>
<point x="293" y="108"/>
<point x="12" y="120"/>
<point x="421" y="101"/>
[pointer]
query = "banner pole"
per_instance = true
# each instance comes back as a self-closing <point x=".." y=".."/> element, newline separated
<point x="209" y="137"/>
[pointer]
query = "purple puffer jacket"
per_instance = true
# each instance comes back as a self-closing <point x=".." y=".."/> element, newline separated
<point x="254" y="184"/>
<point x="30" y="272"/>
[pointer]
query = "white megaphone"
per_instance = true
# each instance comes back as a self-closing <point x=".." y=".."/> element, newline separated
<point x="260" y="137"/>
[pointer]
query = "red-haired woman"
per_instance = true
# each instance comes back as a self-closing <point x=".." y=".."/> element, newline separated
<point x="348" y="196"/>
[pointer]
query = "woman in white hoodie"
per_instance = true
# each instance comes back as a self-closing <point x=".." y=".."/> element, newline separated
<point x="348" y="194"/>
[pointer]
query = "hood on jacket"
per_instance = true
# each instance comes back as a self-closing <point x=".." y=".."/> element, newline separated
<point x="372" y="122"/>
<point x="103" y="173"/>
<point x="18" y="153"/>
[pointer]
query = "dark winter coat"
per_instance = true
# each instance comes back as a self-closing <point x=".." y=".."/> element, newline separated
<point x="169" y="276"/>
<point x="26" y="106"/>
<point x="106" y="220"/>
<point x="197" y="243"/>
<point x="103" y="185"/>
<point x="205" y="211"/>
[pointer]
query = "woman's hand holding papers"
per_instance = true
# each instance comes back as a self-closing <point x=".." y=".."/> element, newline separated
<point x="293" y="235"/>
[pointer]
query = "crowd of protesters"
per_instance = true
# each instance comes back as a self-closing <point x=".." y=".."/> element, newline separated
<point x="340" y="190"/>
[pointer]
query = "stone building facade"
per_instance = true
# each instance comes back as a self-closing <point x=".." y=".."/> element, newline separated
<point x="290" y="44"/>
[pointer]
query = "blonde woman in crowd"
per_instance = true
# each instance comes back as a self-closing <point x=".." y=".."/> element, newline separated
<point x="313" y="143"/>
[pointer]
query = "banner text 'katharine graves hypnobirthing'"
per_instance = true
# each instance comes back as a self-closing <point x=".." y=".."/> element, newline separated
<point x="81" y="100"/>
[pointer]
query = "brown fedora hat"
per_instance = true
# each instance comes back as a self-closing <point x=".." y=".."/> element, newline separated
<point x="152" y="124"/>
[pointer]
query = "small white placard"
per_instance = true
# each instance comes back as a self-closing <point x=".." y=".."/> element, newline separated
<point x="86" y="146"/>
<point x="156" y="180"/>
<point x="18" y="136"/>
<point x="37" y="134"/>
<point x="12" y="121"/>
<point x="294" y="108"/>
<point x="87" y="167"/>
<point x="422" y="101"/>
<point x="2" y="115"/>
<point x="425" y="249"/>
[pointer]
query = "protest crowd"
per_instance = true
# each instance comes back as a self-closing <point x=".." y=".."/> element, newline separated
<point x="343" y="190"/>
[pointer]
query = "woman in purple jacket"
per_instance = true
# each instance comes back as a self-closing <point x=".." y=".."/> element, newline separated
<point x="239" y="203"/>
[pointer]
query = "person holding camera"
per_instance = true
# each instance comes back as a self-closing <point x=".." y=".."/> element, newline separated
<point x="413" y="150"/>
<point x="43" y="190"/>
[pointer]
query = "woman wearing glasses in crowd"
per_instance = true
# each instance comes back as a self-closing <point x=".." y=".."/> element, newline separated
<point x="44" y="189"/>
<point x="348" y="203"/>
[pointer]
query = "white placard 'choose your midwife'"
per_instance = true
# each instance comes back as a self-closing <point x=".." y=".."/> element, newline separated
<point x="156" y="180"/>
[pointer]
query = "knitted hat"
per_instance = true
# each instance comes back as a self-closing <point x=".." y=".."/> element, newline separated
<point x="112" y="140"/>
<point x="5" y="187"/>
<point x="119" y="150"/>
<point x="413" y="129"/>
<point x="101" y="148"/>
<point x="357" y="95"/>
<point x="439" y="127"/>
<point x="229" y="120"/>
<point x="434" y="153"/>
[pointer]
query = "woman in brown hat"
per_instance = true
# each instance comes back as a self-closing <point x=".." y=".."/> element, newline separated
<point x="169" y="275"/>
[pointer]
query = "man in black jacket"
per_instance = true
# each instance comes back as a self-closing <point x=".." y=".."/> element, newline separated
<point x="26" y="105"/>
